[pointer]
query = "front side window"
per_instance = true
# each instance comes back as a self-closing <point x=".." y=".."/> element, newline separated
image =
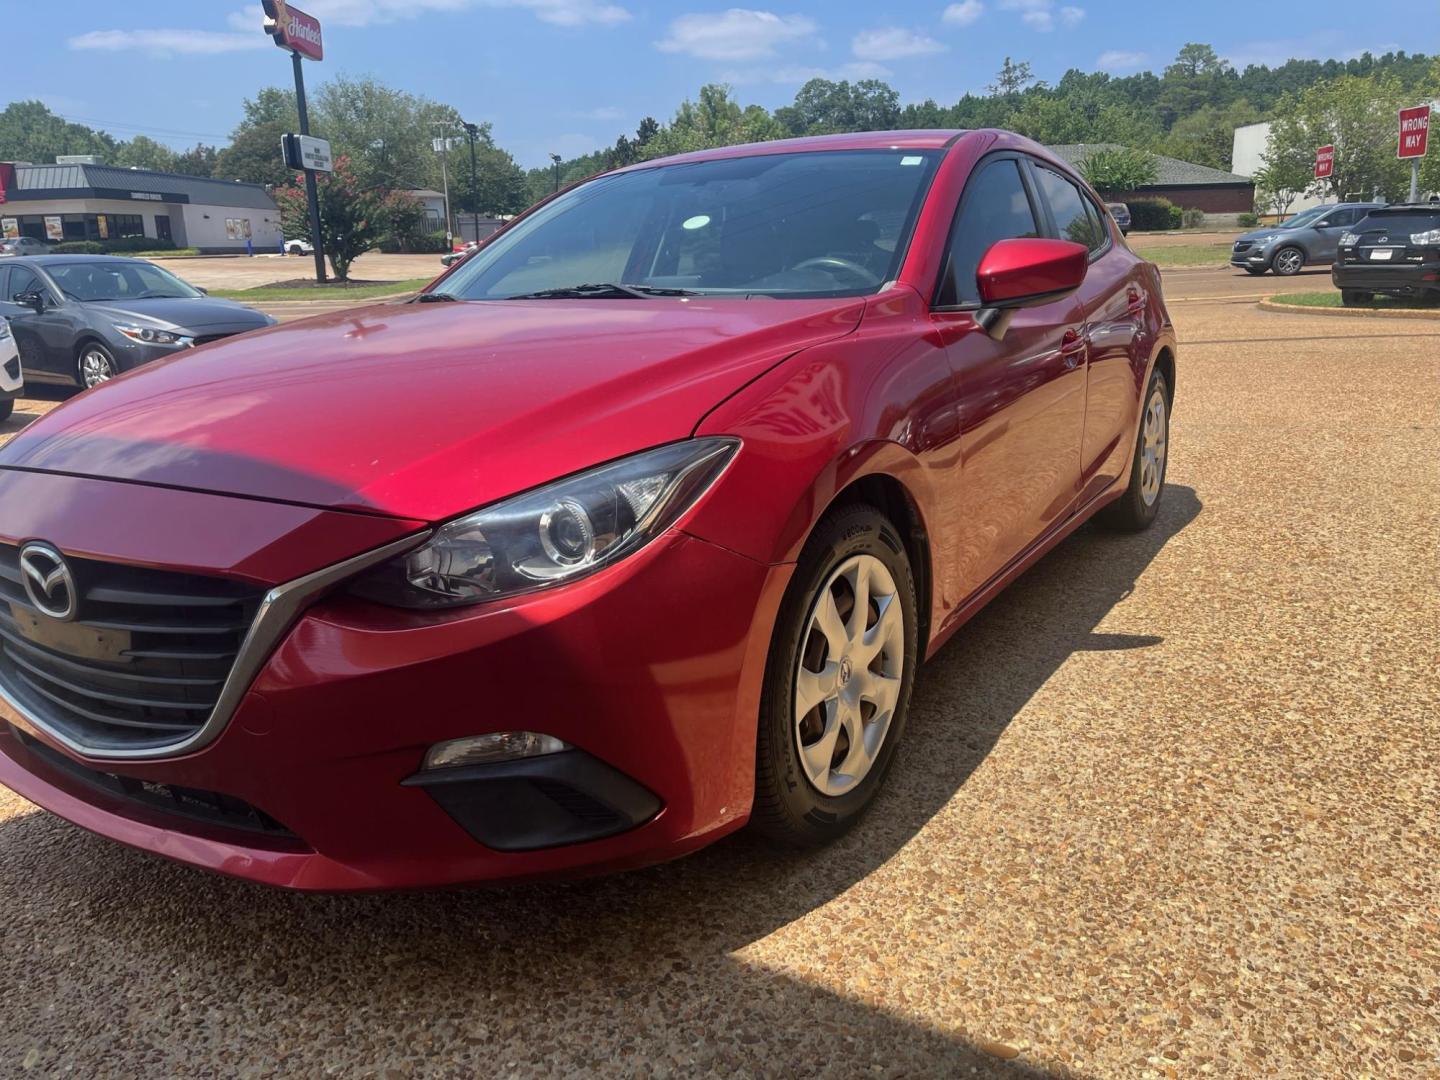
<point x="831" y="223"/>
<point x="1073" y="219"/>
<point x="995" y="207"/>
<point x="23" y="280"/>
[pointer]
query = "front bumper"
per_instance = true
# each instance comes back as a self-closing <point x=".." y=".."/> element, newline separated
<point x="1253" y="259"/>
<point x="651" y="668"/>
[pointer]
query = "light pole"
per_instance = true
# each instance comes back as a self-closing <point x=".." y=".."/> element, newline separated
<point x="472" y="130"/>
<point x="556" y="159"/>
<point x="442" y="145"/>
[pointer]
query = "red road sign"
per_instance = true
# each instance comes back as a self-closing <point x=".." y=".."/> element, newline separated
<point x="1324" y="162"/>
<point x="1414" y="131"/>
<point x="293" y="29"/>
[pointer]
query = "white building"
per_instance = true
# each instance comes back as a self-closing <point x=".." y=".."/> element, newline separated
<point x="80" y="201"/>
<point x="1247" y="157"/>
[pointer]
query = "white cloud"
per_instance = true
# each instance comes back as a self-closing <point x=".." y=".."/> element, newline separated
<point x="604" y="112"/>
<point x="736" y="34"/>
<point x="168" y="42"/>
<point x="1120" y="60"/>
<point x="369" y="12"/>
<point x="1041" y="14"/>
<point x="798" y="74"/>
<point x="893" y="43"/>
<point x="963" y="13"/>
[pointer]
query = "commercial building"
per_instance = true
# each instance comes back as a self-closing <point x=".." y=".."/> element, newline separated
<point x="79" y="201"/>
<point x="1184" y="183"/>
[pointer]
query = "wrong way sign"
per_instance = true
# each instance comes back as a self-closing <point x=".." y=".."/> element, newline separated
<point x="1324" y="162"/>
<point x="1414" y="131"/>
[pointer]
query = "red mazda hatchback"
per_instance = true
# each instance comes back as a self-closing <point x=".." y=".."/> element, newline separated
<point x="636" y="526"/>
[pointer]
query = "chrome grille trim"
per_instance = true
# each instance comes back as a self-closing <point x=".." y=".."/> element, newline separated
<point x="277" y="613"/>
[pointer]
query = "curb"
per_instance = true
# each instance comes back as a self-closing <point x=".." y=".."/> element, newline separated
<point x="1266" y="304"/>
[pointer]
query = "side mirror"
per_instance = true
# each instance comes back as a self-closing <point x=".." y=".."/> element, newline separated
<point x="202" y="290"/>
<point x="1025" y="273"/>
<point x="34" y="300"/>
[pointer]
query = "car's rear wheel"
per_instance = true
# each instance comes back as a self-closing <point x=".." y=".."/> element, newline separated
<point x="96" y="365"/>
<point x="837" y="686"/>
<point x="1356" y="297"/>
<point x="1136" y="509"/>
<point x="7" y="407"/>
<point x="1288" y="261"/>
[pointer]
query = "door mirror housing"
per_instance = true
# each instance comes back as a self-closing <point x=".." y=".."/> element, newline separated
<point x="1027" y="272"/>
<point x="34" y="300"/>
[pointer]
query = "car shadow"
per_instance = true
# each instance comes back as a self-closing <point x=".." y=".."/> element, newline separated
<point x="666" y="965"/>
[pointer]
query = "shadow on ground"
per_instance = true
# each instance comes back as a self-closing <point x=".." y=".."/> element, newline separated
<point x="123" y="959"/>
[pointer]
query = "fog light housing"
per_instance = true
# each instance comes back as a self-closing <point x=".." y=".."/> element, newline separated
<point x="487" y="749"/>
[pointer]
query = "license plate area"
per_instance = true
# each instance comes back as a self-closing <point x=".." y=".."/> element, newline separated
<point x="1382" y="254"/>
<point x="72" y="639"/>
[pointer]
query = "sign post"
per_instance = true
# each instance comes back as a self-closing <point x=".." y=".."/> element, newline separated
<point x="299" y="33"/>
<point x="1325" y="162"/>
<point x="1414" y="136"/>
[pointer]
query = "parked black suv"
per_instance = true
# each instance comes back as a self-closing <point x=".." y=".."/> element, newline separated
<point x="1394" y="251"/>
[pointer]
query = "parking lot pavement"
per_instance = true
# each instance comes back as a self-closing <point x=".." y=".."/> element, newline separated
<point x="230" y="272"/>
<point x="1167" y="807"/>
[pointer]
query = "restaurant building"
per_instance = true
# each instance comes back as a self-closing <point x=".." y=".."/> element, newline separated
<point x="88" y="201"/>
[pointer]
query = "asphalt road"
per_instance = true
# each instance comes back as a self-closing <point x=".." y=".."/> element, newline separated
<point x="1168" y="807"/>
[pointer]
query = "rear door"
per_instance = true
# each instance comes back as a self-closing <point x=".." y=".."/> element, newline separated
<point x="1113" y="298"/>
<point x="1022" y="399"/>
<point x="1328" y="231"/>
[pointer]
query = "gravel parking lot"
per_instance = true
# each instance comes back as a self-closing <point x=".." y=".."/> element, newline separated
<point x="1168" y="807"/>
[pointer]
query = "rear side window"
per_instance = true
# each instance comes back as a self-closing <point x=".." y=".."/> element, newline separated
<point x="1076" y="220"/>
<point x="995" y="207"/>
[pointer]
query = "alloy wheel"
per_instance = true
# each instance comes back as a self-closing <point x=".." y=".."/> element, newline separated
<point x="1289" y="262"/>
<point x="1153" y="441"/>
<point x="850" y="673"/>
<point x="96" y="367"/>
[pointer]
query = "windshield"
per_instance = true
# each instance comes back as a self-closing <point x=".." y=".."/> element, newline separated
<point x="832" y="223"/>
<point x="1305" y="217"/>
<point x="119" y="281"/>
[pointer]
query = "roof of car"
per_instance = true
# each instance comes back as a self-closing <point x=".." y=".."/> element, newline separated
<point x="58" y="260"/>
<point x="924" y="139"/>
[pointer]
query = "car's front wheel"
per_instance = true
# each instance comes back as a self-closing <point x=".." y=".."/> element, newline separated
<point x="96" y="365"/>
<point x="7" y="406"/>
<point x="1255" y="271"/>
<point x="837" y="686"/>
<point x="1288" y="261"/>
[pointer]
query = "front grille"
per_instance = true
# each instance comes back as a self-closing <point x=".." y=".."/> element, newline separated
<point x="1242" y="245"/>
<point x="196" y="804"/>
<point x="142" y="663"/>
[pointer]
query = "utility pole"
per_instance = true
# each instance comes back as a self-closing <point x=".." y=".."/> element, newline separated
<point x="442" y="144"/>
<point x="556" y="159"/>
<point x="473" y="130"/>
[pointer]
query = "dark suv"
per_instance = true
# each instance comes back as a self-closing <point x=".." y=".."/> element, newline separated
<point x="1394" y="251"/>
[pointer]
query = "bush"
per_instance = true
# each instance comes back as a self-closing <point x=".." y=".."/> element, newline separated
<point x="428" y="244"/>
<point x="1154" y="215"/>
<point x="1191" y="218"/>
<point x="123" y="245"/>
<point x="1247" y="221"/>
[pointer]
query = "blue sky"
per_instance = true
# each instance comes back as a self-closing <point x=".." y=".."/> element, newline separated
<point x="570" y="75"/>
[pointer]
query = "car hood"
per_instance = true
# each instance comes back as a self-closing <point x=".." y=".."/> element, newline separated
<point x="187" y="313"/>
<point x="425" y="410"/>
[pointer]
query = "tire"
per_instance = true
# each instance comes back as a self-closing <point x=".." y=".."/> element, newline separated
<point x="1287" y="262"/>
<point x="1257" y="271"/>
<point x="7" y="406"/>
<point x="1135" y="510"/>
<point x="1356" y="298"/>
<point x="93" y="359"/>
<point x="796" y="803"/>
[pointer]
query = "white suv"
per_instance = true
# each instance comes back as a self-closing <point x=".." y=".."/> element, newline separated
<point x="12" y="381"/>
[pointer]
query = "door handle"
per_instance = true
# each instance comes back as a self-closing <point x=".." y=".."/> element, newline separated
<point x="1072" y="347"/>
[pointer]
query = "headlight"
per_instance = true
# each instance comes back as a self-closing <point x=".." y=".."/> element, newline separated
<point x="1266" y="239"/>
<point x="1425" y="239"/>
<point x="553" y="534"/>
<point x="4" y="328"/>
<point x="149" y="336"/>
<point x="1350" y="239"/>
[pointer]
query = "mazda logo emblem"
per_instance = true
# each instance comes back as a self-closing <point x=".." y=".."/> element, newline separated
<point x="48" y="581"/>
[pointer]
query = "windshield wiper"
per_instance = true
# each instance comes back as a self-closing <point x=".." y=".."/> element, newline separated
<point x="601" y="291"/>
<point x="435" y="298"/>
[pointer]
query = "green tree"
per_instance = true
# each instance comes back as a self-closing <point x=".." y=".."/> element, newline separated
<point x="822" y="106"/>
<point x="501" y="188"/>
<point x="353" y="218"/>
<point x="199" y="160"/>
<point x="1012" y="79"/>
<point x="29" y="131"/>
<point x="142" y="152"/>
<point x="713" y="120"/>
<point x="254" y="154"/>
<point x="1119" y="170"/>
<point x="1356" y="114"/>
<point x="1281" y="179"/>
<point x="386" y="133"/>
<point x="1198" y="78"/>
<point x="1207" y="136"/>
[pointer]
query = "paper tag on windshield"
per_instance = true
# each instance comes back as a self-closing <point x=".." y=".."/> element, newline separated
<point x="914" y="159"/>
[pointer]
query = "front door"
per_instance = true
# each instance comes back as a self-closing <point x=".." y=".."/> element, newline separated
<point x="162" y="228"/>
<point x="1022" y="399"/>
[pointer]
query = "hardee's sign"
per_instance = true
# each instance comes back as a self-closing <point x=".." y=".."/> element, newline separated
<point x="293" y="29"/>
